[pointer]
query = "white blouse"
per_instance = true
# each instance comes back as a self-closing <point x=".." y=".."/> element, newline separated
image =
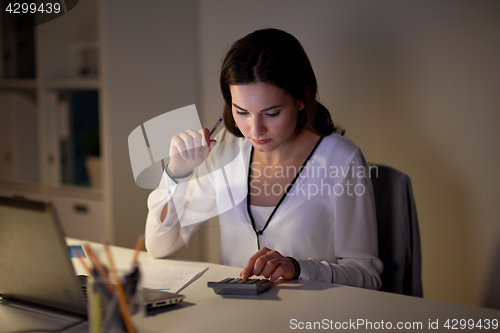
<point x="261" y="214"/>
<point x="326" y="222"/>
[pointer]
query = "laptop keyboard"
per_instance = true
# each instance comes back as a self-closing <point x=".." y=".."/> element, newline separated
<point x="83" y="285"/>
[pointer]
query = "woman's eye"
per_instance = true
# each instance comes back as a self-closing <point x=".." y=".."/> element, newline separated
<point x="245" y="113"/>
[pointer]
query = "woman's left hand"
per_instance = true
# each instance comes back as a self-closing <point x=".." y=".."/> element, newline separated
<point x="269" y="263"/>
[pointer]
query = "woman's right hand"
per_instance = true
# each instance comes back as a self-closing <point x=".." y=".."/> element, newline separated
<point x="185" y="153"/>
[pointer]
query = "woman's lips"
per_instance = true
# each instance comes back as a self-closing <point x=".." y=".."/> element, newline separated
<point x="261" y="142"/>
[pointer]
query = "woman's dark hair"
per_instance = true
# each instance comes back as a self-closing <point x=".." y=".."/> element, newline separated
<point x="275" y="57"/>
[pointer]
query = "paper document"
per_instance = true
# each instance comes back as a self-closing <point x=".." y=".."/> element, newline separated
<point x="169" y="278"/>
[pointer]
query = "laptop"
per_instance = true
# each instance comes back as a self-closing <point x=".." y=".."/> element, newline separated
<point x="35" y="263"/>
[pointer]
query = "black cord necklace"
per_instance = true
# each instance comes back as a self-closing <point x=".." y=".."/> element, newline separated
<point x="249" y="211"/>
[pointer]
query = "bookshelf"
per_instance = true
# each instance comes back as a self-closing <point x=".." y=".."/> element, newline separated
<point x="146" y="65"/>
<point x="50" y="112"/>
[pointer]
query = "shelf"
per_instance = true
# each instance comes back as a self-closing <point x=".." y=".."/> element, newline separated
<point x="60" y="84"/>
<point x="76" y="192"/>
<point x="21" y="186"/>
<point x="64" y="84"/>
<point x="17" y="84"/>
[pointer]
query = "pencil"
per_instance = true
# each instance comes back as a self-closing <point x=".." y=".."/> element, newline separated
<point x="138" y="247"/>
<point x="98" y="267"/>
<point x="212" y="131"/>
<point x="122" y="302"/>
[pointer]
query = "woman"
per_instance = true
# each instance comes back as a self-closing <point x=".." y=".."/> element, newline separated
<point x="308" y="210"/>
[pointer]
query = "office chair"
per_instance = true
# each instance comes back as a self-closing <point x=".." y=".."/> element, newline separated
<point x="398" y="235"/>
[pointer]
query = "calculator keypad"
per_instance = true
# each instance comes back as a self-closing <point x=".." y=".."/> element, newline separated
<point x="238" y="286"/>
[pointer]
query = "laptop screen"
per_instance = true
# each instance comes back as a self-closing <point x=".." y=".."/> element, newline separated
<point x="35" y="265"/>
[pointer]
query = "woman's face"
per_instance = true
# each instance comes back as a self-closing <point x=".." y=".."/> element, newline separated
<point x="265" y="115"/>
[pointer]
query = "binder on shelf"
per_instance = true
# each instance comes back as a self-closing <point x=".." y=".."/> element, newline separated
<point x="64" y="143"/>
<point x="79" y="137"/>
<point x="19" y="157"/>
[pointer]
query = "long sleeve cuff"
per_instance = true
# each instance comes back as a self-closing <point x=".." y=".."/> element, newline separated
<point x="311" y="269"/>
<point x="171" y="189"/>
<point x="356" y="273"/>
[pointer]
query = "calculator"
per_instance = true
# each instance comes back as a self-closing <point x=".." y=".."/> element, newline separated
<point x="237" y="286"/>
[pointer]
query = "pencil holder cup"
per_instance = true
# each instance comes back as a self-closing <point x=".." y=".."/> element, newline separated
<point x="116" y="308"/>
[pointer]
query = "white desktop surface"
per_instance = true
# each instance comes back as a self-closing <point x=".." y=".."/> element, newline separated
<point x="272" y="311"/>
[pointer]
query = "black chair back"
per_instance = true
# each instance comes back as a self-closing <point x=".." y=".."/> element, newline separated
<point x="398" y="235"/>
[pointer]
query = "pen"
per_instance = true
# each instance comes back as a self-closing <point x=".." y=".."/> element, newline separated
<point x="212" y="131"/>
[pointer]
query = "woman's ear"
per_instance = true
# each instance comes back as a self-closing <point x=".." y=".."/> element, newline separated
<point x="300" y="105"/>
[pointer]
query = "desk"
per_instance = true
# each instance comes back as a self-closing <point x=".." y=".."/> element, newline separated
<point x="288" y="305"/>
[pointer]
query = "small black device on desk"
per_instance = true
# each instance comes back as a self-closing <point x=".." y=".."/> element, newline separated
<point x="237" y="286"/>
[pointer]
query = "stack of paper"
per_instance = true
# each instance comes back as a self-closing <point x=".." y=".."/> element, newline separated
<point x="170" y="278"/>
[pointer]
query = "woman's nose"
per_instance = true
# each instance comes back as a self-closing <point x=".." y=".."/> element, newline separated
<point x="258" y="127"/>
